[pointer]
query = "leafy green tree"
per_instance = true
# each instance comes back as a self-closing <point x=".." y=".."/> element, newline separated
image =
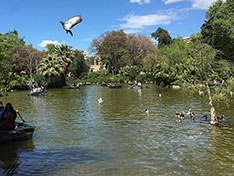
<point x="55" y="64"/>
<point x="78" y="66"/>
<point x="218" y="30"/>
<point x="139" y="47"/>
<point x="130" y="72"/>
<point x="111" y="47"/>
<point x="152" y="64"/>
<point x="162" y="36"/>
<point x="8" y="43"/>
<point x="209" y="69"/>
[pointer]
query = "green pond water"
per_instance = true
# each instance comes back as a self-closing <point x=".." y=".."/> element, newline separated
<point x="77" y="135"/>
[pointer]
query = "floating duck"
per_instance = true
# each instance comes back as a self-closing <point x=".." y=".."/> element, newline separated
<point x="206" y="117"/>
<point x="192" y="115"/>
<point x="147" y="111"/>
<point x="100" y="100"/>
<point x="180" y="116"/>
<point x="200" y="92"/>
<point x="70" y="23"/>
<point x="187" y="113"/>
<point x="221" y="118"/>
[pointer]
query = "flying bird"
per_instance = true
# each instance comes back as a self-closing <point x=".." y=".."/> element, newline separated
<point x="70" y="23"/>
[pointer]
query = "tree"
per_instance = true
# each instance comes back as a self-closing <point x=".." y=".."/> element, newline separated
<point x="162" y="36"/>
<point x="8" y="43"/>
<point x="139" y="47"/>
<point x="78" y="65"/>
<point x="55" y="64"/>
<point x="218" y="30"/>
<point x="151" y="64"/>
<point x="111" y="48"/>
<point x="206" y="63"/>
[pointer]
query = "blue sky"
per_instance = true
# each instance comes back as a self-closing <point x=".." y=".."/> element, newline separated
<point x="37" y="21"/>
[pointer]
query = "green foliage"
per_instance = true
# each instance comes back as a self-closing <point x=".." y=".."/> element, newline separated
<point x="183" y="62"/>
<point x="112" y="50"/>
<point x="130" y="72"/>
<point x="162" y="36"/>
<point x="224" y="94"/>
<point x="55" y="64"/>
<point x="139" y="47"/>
<point x="8" y="77"/>
<point x="40" y="80"/>
<point x="94" y="77"/>
<point x="17" y="82"/>
<point x="79" y="66"/>
<point x="218" y="30"/>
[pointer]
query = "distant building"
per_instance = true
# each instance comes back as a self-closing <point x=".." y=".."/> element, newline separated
<point x="187" y="40"/>
<point x="96" y="65"/>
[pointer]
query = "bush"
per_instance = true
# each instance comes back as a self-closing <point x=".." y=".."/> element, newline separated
<point x="40" y="80"/>
<point x="18" y="83"/>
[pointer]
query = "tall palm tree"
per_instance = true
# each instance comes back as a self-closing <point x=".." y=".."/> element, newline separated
<point x="55" y="64"/>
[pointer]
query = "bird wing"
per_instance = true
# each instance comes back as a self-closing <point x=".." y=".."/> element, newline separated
<point x="71" y="22"/>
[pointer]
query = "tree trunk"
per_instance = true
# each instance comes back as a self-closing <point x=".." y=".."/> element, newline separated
<point x="213" y="117"/>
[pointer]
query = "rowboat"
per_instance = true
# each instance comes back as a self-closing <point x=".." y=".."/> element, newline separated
<point x="115" y="86"/>
<point x="69" y="87"/>
<point x="22" y="132"/>
<point x="104" y="84"/>
<point x="39" y="94"/>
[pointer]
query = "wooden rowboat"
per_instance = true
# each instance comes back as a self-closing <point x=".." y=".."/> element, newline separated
<point x="69" y="87"/>
<point x="39" y="94"/>
<point x="22" y="132"/>
<point x="115" y="86"/>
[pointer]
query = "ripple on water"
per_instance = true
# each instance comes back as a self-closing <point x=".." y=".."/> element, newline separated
<point x="77" y="135"/>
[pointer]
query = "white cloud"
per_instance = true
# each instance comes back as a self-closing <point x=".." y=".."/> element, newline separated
<point x="202" y="4"/>
<point x="44" y="43"/>
<point x="171" y="1"/>
<point x="137" y="23"/>
<point x="196" y="4"/>
<point x="140" y="1"/>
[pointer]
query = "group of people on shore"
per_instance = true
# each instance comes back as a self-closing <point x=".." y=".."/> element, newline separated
<point x="7" y="116"/>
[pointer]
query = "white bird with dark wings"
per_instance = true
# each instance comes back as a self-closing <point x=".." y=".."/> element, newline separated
<point x="70" y="23"/>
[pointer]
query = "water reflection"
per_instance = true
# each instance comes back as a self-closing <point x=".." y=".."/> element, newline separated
<point x="23" y="159"/>
<point x="76" y="135"/>
<point x="10" y="154"/>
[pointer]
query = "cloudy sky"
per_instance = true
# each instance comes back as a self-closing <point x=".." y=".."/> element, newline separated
<point x="38" y="21"/>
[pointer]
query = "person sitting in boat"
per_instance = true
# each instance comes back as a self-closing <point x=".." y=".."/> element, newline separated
<point x="8" y="118"/>
<point x="139" y="84"/>
<point x="34" y="89"/>
<point x="42" y="89"/>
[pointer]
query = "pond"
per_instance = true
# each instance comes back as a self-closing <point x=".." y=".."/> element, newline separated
<point x="77" y="135"/>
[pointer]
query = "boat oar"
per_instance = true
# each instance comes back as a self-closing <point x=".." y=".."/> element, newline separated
<point x="21" y="117"/>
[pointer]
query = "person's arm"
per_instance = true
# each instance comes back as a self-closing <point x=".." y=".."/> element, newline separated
<point x="16" y="111"/>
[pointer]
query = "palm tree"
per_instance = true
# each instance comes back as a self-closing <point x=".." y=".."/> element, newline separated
<point x="55" y="65"/>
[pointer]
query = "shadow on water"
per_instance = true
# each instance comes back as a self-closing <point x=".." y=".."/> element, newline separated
<point x="23" y="159"/>
<point x="9" y="156"/>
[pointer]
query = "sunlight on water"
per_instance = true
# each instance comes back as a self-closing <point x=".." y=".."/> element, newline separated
<point x="78" y="135"/>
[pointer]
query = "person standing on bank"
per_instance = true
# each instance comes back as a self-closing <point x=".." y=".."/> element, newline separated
<point x="8" y="117"/>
